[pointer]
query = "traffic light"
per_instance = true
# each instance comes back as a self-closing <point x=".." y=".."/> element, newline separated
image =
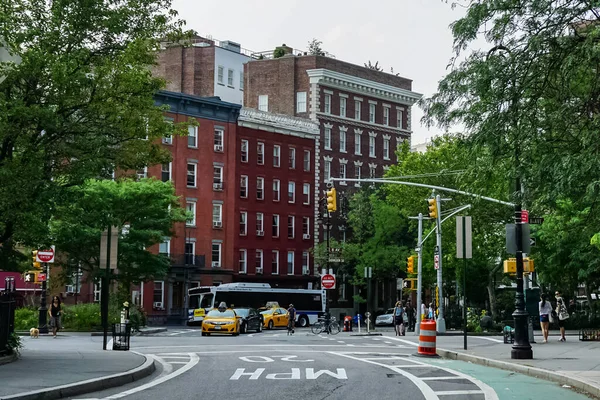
<point x="36" y="263"/>
<point x="410" y="265"/>
<point x="433" y="210"/>
<point x="331" y="200"/>
<point x="30" y="277"/>
<point x="409" y="284"/>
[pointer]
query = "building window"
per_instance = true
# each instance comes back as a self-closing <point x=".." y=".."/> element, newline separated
<point x="260" y="224"/>
<point x="327" y="104"/>
<point x="342" y="141"/>
<point x="220" y="75"/>
<point x="291" y="226"/>
<point x="263" y="102"/>
<point x="327" y="171"/>
<point x="142" y="173"/>
<point x="243" y="261"/>
<point x="260" y="188"/>
<point x="165" y="172"/>
<point x="357" y="170"/>
<point x="218" y="140"/>
<point x="386" y="116"/>
<point x="290" y="263"/>
<point x="307" y="160"/>
<point x="189" y="253"/>
<point x="399" y="118"/>
<point x="230" y="77"/>
<point x="327" y="138"/>
<point x="241" y="81"/>
<point x="372" y="171"/>
<point x="372" y="113"/>
<point x="191" y="175"/>
<point x="357" y="143"/>
<point x="306" y="193"/>
<point x="190" y="207"/>
<point x="371" y="146"/>
<point x="276" y="156"/>
<point x="243" y="223"/>
<point x="217" y="216"/>
<point x="216" y="254"/>
<point x="275" y="262"/>
<point x="301" y="102"/>
<point x="291" y="192"/>
<point x="386" y="149"/>
<point x="305" y="263"/>
<point x="158" y="297"/>
<point x="244" y="186"/>
<point x="259" y="260"/>
<point x="276" y="190"/>
<point x="342" y="171"/>
<point x="260" y="153"/>
<point x="306" y="227"/>
<point x="192" y="136"/>
<point x="244" y="150"/>
<point x="292" y="158"/>
<point x="168" y="139"/>
<point x="217" y="177"/>
<point x="357" y="105"/>
<point x="165" y="247"/>
<point x="342" y="106"/>
<point x="275" y="230"/>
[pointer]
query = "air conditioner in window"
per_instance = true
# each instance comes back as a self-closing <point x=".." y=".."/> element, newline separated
<point x="216" y="264"/>
<point x="70" y="289"/>
<point x="158" y="305"/>
<point x="260" y="233"/>
<point x="167" y="140"/>
<point x="217" y="224"/>
<point x="259" y="270"/>
<point x="306" y="271"/>
<point x="219" y="147"/>
<point x="218" y="186"/>
<point x="306" y="236"/>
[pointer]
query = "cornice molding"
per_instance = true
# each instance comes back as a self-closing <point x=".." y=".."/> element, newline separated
<point x="363" y="124"/>
<point x="279" y="123"/>
<point x="212" y="108"/>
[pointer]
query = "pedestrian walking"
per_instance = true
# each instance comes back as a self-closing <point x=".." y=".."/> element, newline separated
<point x="398" y="319"/>
<point x="563" y="315"/>
<point x="291" y="319"/>
<point x="545" y="308"/>
<point x="54" y="312"/>
<point x="411" y="315"/>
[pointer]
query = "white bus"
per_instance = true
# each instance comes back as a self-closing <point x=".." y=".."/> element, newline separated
<point x="309" y="304"/>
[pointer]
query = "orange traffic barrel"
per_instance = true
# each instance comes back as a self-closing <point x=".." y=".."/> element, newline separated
<point x="427" y="338"/>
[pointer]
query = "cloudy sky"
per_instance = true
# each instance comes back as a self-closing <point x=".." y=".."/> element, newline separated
<point x="412" y="36"/>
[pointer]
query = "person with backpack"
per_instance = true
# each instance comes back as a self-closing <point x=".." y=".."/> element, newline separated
<point x="399" y="318"/>
<point x="562" y="314"/>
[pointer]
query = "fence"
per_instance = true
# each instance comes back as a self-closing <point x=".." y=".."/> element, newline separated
<point x="7" y="320"/>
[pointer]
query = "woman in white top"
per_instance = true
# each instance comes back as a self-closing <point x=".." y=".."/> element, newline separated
<point x="545" y="311"/>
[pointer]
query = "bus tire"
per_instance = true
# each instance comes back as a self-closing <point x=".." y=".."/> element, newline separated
<point x="303" y="321"/>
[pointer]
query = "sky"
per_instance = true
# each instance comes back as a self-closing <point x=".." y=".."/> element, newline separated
<point x="412" y="36"/>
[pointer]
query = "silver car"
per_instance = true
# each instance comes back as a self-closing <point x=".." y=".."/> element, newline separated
<point x="385" y="319"/>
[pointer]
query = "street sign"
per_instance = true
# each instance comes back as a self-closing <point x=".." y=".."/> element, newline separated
<point x="417" y="249"/>
<point x="41" y="277"/>
<point x="335" y="250"/>
<point x="114" y="243"/>
<point x="536" y="220"/>
<point x="436" y="250"/>
<point x="467" y="238"/>
<point x="436" y="261"/>
<point x="531" y="242"/>
<point x="399" y="283"/>
<point x="45" y="255"/>
<point x="328" y="281"/>
<point x="336" y="260"/>
<point x="511" y="242"/>
<point x="524" y="216"/>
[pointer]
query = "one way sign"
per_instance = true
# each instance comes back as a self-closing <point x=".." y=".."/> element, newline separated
<point x="531" y="242"/>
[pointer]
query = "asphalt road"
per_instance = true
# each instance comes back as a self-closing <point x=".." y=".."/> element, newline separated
<point x="273" y="365"/>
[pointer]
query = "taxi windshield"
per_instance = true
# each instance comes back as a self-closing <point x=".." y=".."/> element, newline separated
<point x="267" y="312"/>
<point x="222" y="314"/>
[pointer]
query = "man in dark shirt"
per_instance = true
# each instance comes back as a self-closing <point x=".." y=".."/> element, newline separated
<point x="291" y="318"/>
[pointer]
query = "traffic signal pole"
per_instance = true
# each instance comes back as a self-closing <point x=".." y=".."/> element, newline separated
<point x="441" y="322"/>
<point x="419" y="274"/>
<point x="43" y="317"/>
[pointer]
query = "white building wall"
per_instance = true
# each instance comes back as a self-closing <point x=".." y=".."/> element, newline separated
<point x="229" y="60"/>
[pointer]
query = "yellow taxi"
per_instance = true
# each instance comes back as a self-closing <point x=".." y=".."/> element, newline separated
<point x="221" y="320"/>
<point x="275" y="317"/>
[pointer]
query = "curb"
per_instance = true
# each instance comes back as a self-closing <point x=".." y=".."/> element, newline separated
<point x="91" y="385"/>
<point x="151" y="331"/>
<point x="523" y="369"/>
<point x="366" y="334"/>
<point x="9" y="358"/>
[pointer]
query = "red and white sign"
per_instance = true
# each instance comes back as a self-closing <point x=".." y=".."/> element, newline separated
<point x="524" y="216"/>
<point x="436" y="261"/>
<point x="328" y="281"/>
<point x="41" y="277"/>
<point x="46" y="255"/>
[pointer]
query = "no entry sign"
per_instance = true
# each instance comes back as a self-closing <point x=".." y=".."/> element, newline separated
<point x="328" y="281"/>
<point x="45" y="255"/>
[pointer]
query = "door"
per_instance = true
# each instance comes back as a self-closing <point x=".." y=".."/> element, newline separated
<point x="178" y="299"/>
<point x="253" y="320"/>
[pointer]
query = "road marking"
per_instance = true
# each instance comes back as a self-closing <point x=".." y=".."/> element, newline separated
<point x="487" y="338"/>
<point x="435" y="378"/>
<point x="254" y="345"/>
<point x="388" y="342"/>
<point x="341" y="341"/>
<point x="457" y="392"/>
<point x="166" y="367"/>
<point x="351" y="345"/>
<point x="194" y="359"/>
<point x="109" y="344"/>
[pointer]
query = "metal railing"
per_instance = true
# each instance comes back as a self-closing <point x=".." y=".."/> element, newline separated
<point x="7" y="320"/>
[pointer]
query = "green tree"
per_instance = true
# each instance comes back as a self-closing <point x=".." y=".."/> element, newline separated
<point x="314" y="48"/>
<point x="77" y="104"/>
<point x="145" y="211"/>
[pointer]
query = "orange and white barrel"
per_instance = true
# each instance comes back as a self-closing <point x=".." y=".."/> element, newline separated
<point x="427" y="337"/>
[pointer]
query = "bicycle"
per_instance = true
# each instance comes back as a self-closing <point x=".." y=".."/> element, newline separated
<point x="320" y="326"/>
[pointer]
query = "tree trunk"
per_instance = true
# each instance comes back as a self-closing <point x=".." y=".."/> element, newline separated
<point x="492" y="290"/>
<point x="588" y="295"/>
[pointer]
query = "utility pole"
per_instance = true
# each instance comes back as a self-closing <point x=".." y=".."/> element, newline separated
<point x="441" y="322"/>
<point x="419" y="274"/>
<point x="43" y="317"/>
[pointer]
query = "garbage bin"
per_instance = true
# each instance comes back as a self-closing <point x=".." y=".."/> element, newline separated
<point x="121" y="334"/>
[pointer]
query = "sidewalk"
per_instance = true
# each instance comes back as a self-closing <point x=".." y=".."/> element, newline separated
<point x="69" y="365"/>
<point x="574" y="363"/>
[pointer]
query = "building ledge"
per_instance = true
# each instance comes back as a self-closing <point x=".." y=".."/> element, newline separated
<point x="278" y="123"/>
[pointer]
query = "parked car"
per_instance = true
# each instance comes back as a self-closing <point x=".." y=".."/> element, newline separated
<point x="386" y="319"/>
<point x="275" y="317"/>
<point x="223" y="321"/>
<point x="250" y="319"/>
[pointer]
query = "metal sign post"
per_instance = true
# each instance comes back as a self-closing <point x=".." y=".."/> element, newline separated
<point x="441" y="322"/>
<point x="464" y="250"/>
